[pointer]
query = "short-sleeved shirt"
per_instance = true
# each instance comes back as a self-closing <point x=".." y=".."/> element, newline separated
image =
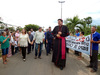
<point x="17" y="35"/>
<point x="95" y="37"/>
<point x="45" y="35"/>
<point x="5" y="44"/>
<point x="23" y="40"/>
<point x="77" y="34"/>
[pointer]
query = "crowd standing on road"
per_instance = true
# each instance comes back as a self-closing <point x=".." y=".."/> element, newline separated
<point x="25" y="42"/>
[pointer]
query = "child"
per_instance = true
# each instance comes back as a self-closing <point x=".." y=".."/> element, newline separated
<point x="16" y="46"/>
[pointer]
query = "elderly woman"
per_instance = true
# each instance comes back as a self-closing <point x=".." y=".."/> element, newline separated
<point x="23" y="42"/>
<point x="4" y="39"/>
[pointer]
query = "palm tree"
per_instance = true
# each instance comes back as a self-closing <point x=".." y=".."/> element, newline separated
<point x="88" y="20"/>
<point x="71" y="23"/>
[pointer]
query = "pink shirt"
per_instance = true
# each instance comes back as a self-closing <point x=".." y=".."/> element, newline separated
<point x="17" y="35"/>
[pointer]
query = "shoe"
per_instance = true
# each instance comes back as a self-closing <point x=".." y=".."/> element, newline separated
<point x="28" y="53"/>
<point x="49" y="53"/>
<point x="61" y="68"/>
<point x="35" y="57"/>
<point x="89" y="66"/>
<point x="24" y="60"/>
<point x="39" y="57"/>
<point x="4" y="63"/>
<point x="93" y="71"/>
<point x="6" y="60"/>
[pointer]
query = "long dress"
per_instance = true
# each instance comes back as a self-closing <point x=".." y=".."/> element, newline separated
<point x="9" y="52"/>
<point x="59" y="49"/>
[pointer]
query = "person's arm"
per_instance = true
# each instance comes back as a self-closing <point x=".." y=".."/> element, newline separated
<point x="5" y="40"/>
<point x="65" y="32"/>
<point x="92" y="41"/>
<point x="34" y="38"/>
<point x="54" y="32"/>
<point x="19" y="40"/>
<point x="97" y="41"/>
<point x="28" y="39"/>
<point x="46" y="37"/>
<point x="43" y="37"/>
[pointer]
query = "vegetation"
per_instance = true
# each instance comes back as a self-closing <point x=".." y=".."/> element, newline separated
<point x="81" y="24"/>
<point x="2" y="27"/>
<point x="99" y="56"/>
<point x="11" y="29"/>
<point x="31" y="26"/>
<point x="19" y="28"/>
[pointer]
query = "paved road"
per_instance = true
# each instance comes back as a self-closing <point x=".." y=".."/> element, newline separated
<point x="43" y="66"/>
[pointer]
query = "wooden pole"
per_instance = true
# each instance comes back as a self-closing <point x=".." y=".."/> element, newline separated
<point x="91" y="46"/>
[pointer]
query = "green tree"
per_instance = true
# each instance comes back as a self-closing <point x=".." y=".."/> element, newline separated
<point x="2" y="27"/>
<point x="19" y="28"/>
<point x="31" y="26"/>
<point x="71" y="23"/>
<point x="88" y="20"/>
<point x="82" y="25"/>
<point x="98" y="29"/>
<point x="11" y="29"/>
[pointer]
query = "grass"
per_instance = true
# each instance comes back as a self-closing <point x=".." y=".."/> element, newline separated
<point x="99" y="56"/>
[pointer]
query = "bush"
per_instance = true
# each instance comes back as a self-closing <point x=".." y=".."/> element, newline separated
<point x="99" y="56"/>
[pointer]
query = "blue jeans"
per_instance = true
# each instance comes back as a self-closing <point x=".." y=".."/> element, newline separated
<point x="33" y="47"/>
<point x="5" y="51"/>
<point x="40" y="49"/>
<point x="48" y="47"/>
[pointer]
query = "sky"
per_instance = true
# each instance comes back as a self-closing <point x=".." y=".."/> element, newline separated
<point x="46" y="12"/>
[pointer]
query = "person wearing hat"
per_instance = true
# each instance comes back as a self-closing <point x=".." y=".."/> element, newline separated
<point x="59" y="50"/>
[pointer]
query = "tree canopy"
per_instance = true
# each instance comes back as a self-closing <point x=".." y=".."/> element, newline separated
<point x="31" y="26"/>
<point x="81" y="24"/>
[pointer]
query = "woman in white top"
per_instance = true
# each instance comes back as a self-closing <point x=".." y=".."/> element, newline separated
<point x="82" y="37"/>
<point x="23" y="42"/>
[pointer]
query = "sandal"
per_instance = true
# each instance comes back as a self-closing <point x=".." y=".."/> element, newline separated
<point x="4" y="63"/>
<point x="6" y="60"/>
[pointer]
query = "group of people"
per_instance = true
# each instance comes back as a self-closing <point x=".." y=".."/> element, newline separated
<point x="55" y="40"/>
<point x="10" y="43"/>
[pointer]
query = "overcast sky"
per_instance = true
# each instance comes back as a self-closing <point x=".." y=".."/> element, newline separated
<point x="46" y="12"/>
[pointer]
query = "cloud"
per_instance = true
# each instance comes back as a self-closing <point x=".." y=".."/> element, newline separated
<point x="96" y="21"/>
<point x="46" y="12"/>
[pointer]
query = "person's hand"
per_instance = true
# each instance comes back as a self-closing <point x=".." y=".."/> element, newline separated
<point x="8" y="37"/>
<point x="92" y="41"/>
<point x="18" y="44"/>
<point x="46" y="41"/>
<point x="43" y="40"/>
<point x="59" y="33"/>
<point x="31" y="43"/>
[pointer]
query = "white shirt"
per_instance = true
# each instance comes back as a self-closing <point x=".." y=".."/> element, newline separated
<point x="23" y="40"/>
<point x="12" y="40"/>
<point x="39" y="36"/>
<point x="16" y="44"/>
